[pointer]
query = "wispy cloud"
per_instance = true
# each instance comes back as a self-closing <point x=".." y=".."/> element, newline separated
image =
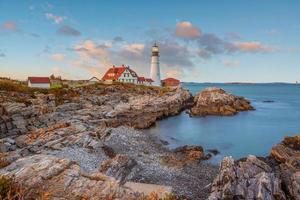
<point x="67" y="30"/>
<point x="10" y="26"/>
<point x="2" y="55"/>
<point x="210" y="44"/>
<point x="58" y="57"/>
<point x="231" y="63"/>
<point x="118" y="39"/>
<point x="254" y="47"/>
<point x="186" y="30"/>
<point x="55" y="18"/>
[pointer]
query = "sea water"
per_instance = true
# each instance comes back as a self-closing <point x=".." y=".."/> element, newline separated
<point x="277" y="115"/>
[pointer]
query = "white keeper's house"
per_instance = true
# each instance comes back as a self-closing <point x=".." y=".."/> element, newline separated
<point x="39" y="82"/>
<point x="123" y="74"/>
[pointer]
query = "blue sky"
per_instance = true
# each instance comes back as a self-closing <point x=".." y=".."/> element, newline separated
<point x="201" y="41"/>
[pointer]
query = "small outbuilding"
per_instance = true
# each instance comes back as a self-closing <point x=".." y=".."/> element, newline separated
<point x="39" y="82"/>
<point x="170" y="82"/>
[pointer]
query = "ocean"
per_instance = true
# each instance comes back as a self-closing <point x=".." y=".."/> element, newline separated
<point x="277" y="115"/>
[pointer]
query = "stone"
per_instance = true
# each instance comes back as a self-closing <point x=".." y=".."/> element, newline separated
<point x="119" y="167"/>
<point x="249" y="179"/>
<point x="54" y="178"/>
<point x="184" y="155"/>
<point x="287" y="155"/>
<point x="215" y="101"/>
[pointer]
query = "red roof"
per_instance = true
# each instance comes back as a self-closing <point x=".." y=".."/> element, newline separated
<point x="141" y="79"/>
<point x="39" y="79"/>
<point x="170" y="82"/>
<point x="114" y="73"/>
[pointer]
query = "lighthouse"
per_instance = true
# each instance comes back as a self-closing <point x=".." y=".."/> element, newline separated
<point x="155" y="71"/>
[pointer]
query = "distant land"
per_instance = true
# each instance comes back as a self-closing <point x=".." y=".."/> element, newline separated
<point x="242" y="83"/>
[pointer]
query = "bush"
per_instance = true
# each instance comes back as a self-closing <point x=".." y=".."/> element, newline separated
<point x="10" y="189"/>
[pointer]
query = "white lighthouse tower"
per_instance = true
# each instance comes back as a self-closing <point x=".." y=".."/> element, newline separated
<point x="155" y="71"/>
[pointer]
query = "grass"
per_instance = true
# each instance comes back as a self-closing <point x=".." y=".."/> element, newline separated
<point x="56" y="85"/>
<point x="10" y="189"/>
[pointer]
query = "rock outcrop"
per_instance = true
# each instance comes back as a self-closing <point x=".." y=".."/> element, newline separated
<point x="116" y="105"/>
<point x="274" y="177"/>
<point x="215" y="101"/>
<point x="184" y="155"/>
<point x="75" y="136"/>
<point x="48" y="177"/>
<point x="250" y="179"/>
<point x="119" y="167"/>
<point x="287" y="155"/>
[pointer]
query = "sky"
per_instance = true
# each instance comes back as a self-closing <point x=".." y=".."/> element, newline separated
<point x="199" y="40"/>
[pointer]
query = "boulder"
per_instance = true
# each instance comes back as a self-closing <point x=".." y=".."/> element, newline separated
<point x="249" y="179"/>
<point x="182" y="156"/>
<point x="274" y="177"/>
<point x="119" y="167"/>
<point x="215" y="101"/>
<point x="49" y="177"/>
<point x="287" y="154"/>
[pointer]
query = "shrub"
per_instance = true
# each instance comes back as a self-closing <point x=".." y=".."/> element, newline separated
<point x="10" y="189"/>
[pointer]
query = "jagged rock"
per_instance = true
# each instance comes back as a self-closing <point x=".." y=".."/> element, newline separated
<point x="287" y="154"/>
<point x="184" y="155"/>
<point x="215" y="101"/>
<point x="249" y="179"/>
<point x="119" y="167"/>
<point x="44" y="176"/>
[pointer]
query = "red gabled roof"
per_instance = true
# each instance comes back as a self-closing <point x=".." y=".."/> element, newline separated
<point x="114" y="73"/>
<point x="39" y="79"/>
<point x="141" y="79"/>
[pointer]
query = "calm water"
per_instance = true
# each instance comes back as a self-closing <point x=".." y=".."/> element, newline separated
<point x="253" y="132"/>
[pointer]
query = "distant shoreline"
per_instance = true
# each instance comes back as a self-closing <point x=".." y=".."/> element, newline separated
<point x="243" y="83"/>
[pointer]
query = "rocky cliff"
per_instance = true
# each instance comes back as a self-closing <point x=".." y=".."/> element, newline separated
<point x="116" y="105"/>
<point x="82" y="144"/>
<point x="215" y="101"/>
<point x="274" y="177"/>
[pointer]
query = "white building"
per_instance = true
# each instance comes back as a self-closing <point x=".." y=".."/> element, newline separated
<point x="155" y="70"/>
<point x="121" y="74"/>
<point x="39" y="82"/>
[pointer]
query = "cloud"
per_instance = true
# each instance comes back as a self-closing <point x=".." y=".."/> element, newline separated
<point x="174" y="73"/>
<point x="203" y="54"/>
<point x="186" y="30"/>
<point x="67" y="30"/>
<point x="55" y="18"/>
<point x="175" y="54"/>
<point x="231" y="63"/>
<point x="9" y="26"/>
<point x="254" y="47"/>
<point x="2" y="55"/>
<point x="118" y="39"/>
<point x="134" y="48"/>
<point x="95" y="58"/>
<point x="210" y="44"/>
<point x="58" y="57"/>
<point x="232" y="36"/>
